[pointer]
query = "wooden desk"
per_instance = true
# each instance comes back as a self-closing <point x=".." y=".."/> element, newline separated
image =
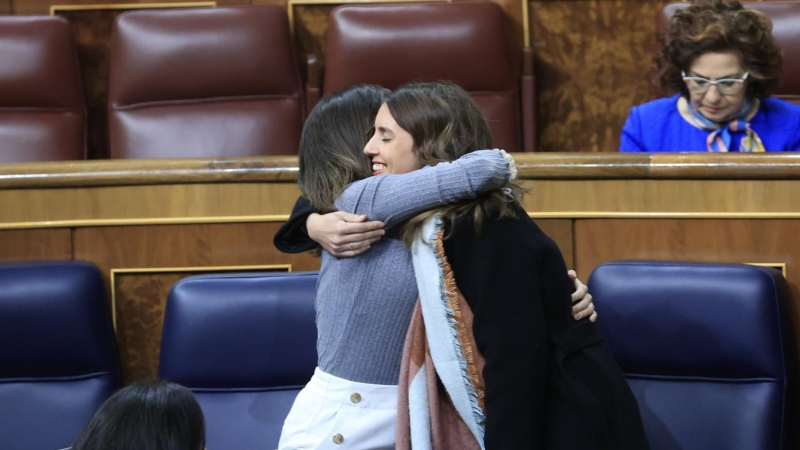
<point x="146" y="224"/>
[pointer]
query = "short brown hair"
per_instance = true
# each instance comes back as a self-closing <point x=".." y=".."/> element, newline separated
<point x="717" y="26"/>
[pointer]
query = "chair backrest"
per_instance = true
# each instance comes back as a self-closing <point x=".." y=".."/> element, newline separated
<point x="204" y="83"/>
<point x="707" y="349"/>
<point x="58" y="358"/>
<point x="245" y="345"/>
<point x="42" y="112"/>
<point x="785" y="16"/>
<point x="465" y="43"/>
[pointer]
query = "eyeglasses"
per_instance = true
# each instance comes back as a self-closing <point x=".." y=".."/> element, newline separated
<point x="725" y="86"/>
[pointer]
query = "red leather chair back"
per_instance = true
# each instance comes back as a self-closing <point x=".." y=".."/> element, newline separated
<point x="42" y="113"/>
<point x="204" y="83"/>
<point x="465" y="43"/>
<point x="785" y="18"/>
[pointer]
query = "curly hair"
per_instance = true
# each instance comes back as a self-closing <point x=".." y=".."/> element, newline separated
<point x="717" y="26"/>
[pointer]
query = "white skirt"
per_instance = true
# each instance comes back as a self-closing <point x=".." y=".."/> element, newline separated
<point x="334" y="413"/>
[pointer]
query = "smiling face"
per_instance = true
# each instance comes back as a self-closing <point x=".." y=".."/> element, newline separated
<point x="391" y="148"/>
<point x="717" y="66"/>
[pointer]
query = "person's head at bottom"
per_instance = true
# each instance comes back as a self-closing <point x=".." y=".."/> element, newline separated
<point x="151" y="415"/>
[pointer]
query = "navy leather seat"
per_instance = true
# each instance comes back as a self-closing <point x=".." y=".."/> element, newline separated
<point x="706" y="348"/>
<point x="245" y="345"/>
<point x="58" y="358"/>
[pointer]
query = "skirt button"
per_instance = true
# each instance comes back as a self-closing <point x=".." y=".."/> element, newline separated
<point x="355" y="398"/>
<point x="338" y="438"/>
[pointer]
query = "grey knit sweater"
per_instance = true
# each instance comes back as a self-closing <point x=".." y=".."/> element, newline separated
<point x="364" y="303"/>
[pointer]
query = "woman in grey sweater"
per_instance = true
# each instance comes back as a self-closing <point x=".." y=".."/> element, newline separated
<point x="364" y="303"/>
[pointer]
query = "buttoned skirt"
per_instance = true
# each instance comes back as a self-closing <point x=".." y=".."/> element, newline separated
<point x="337" y="414"/>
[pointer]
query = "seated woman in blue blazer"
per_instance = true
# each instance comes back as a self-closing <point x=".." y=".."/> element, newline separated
<point x="724" y="61"/>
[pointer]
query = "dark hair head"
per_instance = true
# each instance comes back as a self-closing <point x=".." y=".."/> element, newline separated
<point x="442" y="119"/>
<point x="719" y="26"/>
<point x="333" y="140"/>
<point x="152" y="415"/>
<point x="446" y="124"/>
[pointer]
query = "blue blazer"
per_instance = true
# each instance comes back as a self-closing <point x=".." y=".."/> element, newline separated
<point x="657" y="126"/>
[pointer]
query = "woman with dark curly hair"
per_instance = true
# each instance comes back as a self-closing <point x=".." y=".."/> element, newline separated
<point x="724" y="61"/>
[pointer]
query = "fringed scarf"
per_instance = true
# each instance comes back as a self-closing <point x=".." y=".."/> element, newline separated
<point x="719" y="138"/>
<point x="440" y="404"/>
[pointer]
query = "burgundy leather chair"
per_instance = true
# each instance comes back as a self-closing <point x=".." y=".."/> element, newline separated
<point x="785" y="18"/>
<point x="204" y="83"/>
<point x="465" y="43"/>
<point x="42" y="113"/>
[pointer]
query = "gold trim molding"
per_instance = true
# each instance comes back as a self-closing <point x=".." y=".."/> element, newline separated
<point x="145" y="270"/>
<point x="148" y="221"/>
<point x="779" y="266"/>
<point x="285" y="217"/>
<point x="113" y="6"/>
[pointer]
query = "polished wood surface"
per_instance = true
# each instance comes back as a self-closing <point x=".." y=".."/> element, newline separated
<point x="34" y="245"/>
<point x="568" y="186"/>
<point x="283" y="169"/>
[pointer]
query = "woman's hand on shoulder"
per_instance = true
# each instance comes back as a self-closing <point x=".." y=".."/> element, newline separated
<point x="582" y="305"/>
<point x="342" y="234"/>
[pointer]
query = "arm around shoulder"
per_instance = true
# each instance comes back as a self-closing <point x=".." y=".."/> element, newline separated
<point x="395" y="198"/>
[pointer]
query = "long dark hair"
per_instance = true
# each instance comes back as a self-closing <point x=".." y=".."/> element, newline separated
<point x="446" y="124"/>
<point x="333" y="140"/>
<point x="147" y="415"/>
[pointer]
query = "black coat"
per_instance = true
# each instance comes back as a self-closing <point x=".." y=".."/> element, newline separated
<point x="550" y="381"/>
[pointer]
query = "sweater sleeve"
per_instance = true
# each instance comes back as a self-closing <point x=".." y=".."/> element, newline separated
<point x="395" y="198"/>
<point x="495" y="272"/>
<point x="631" y="139"/>
<point x="292" y="236"/>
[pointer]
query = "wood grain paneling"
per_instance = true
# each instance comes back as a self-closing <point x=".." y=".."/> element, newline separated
<point x="284" y="169"/>
<point x="662" y="198"/>
<point x="5" y="7"/>
<point x="140" y="296"/>
<point x="191" y="202"/>
<point x="33" y="245"/>
<point x="592" y="58"/>
<point x="728" y="241"/>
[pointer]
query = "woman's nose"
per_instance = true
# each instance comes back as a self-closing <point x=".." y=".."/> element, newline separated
<point x="713" y="94"/>
<point x="371" y="149"/>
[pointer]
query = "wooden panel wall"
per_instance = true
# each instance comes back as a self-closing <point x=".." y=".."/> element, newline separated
<point x="591" y="65"/>
<point x="32" y="245"/>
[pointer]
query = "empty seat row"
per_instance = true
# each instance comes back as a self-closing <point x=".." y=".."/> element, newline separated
<point x="708" y="350"/>
<point x="244" y="344"/>
<point x="224" y="81"/>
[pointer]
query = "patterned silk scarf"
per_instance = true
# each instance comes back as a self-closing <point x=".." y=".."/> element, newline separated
<point x="719" y="140"/>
